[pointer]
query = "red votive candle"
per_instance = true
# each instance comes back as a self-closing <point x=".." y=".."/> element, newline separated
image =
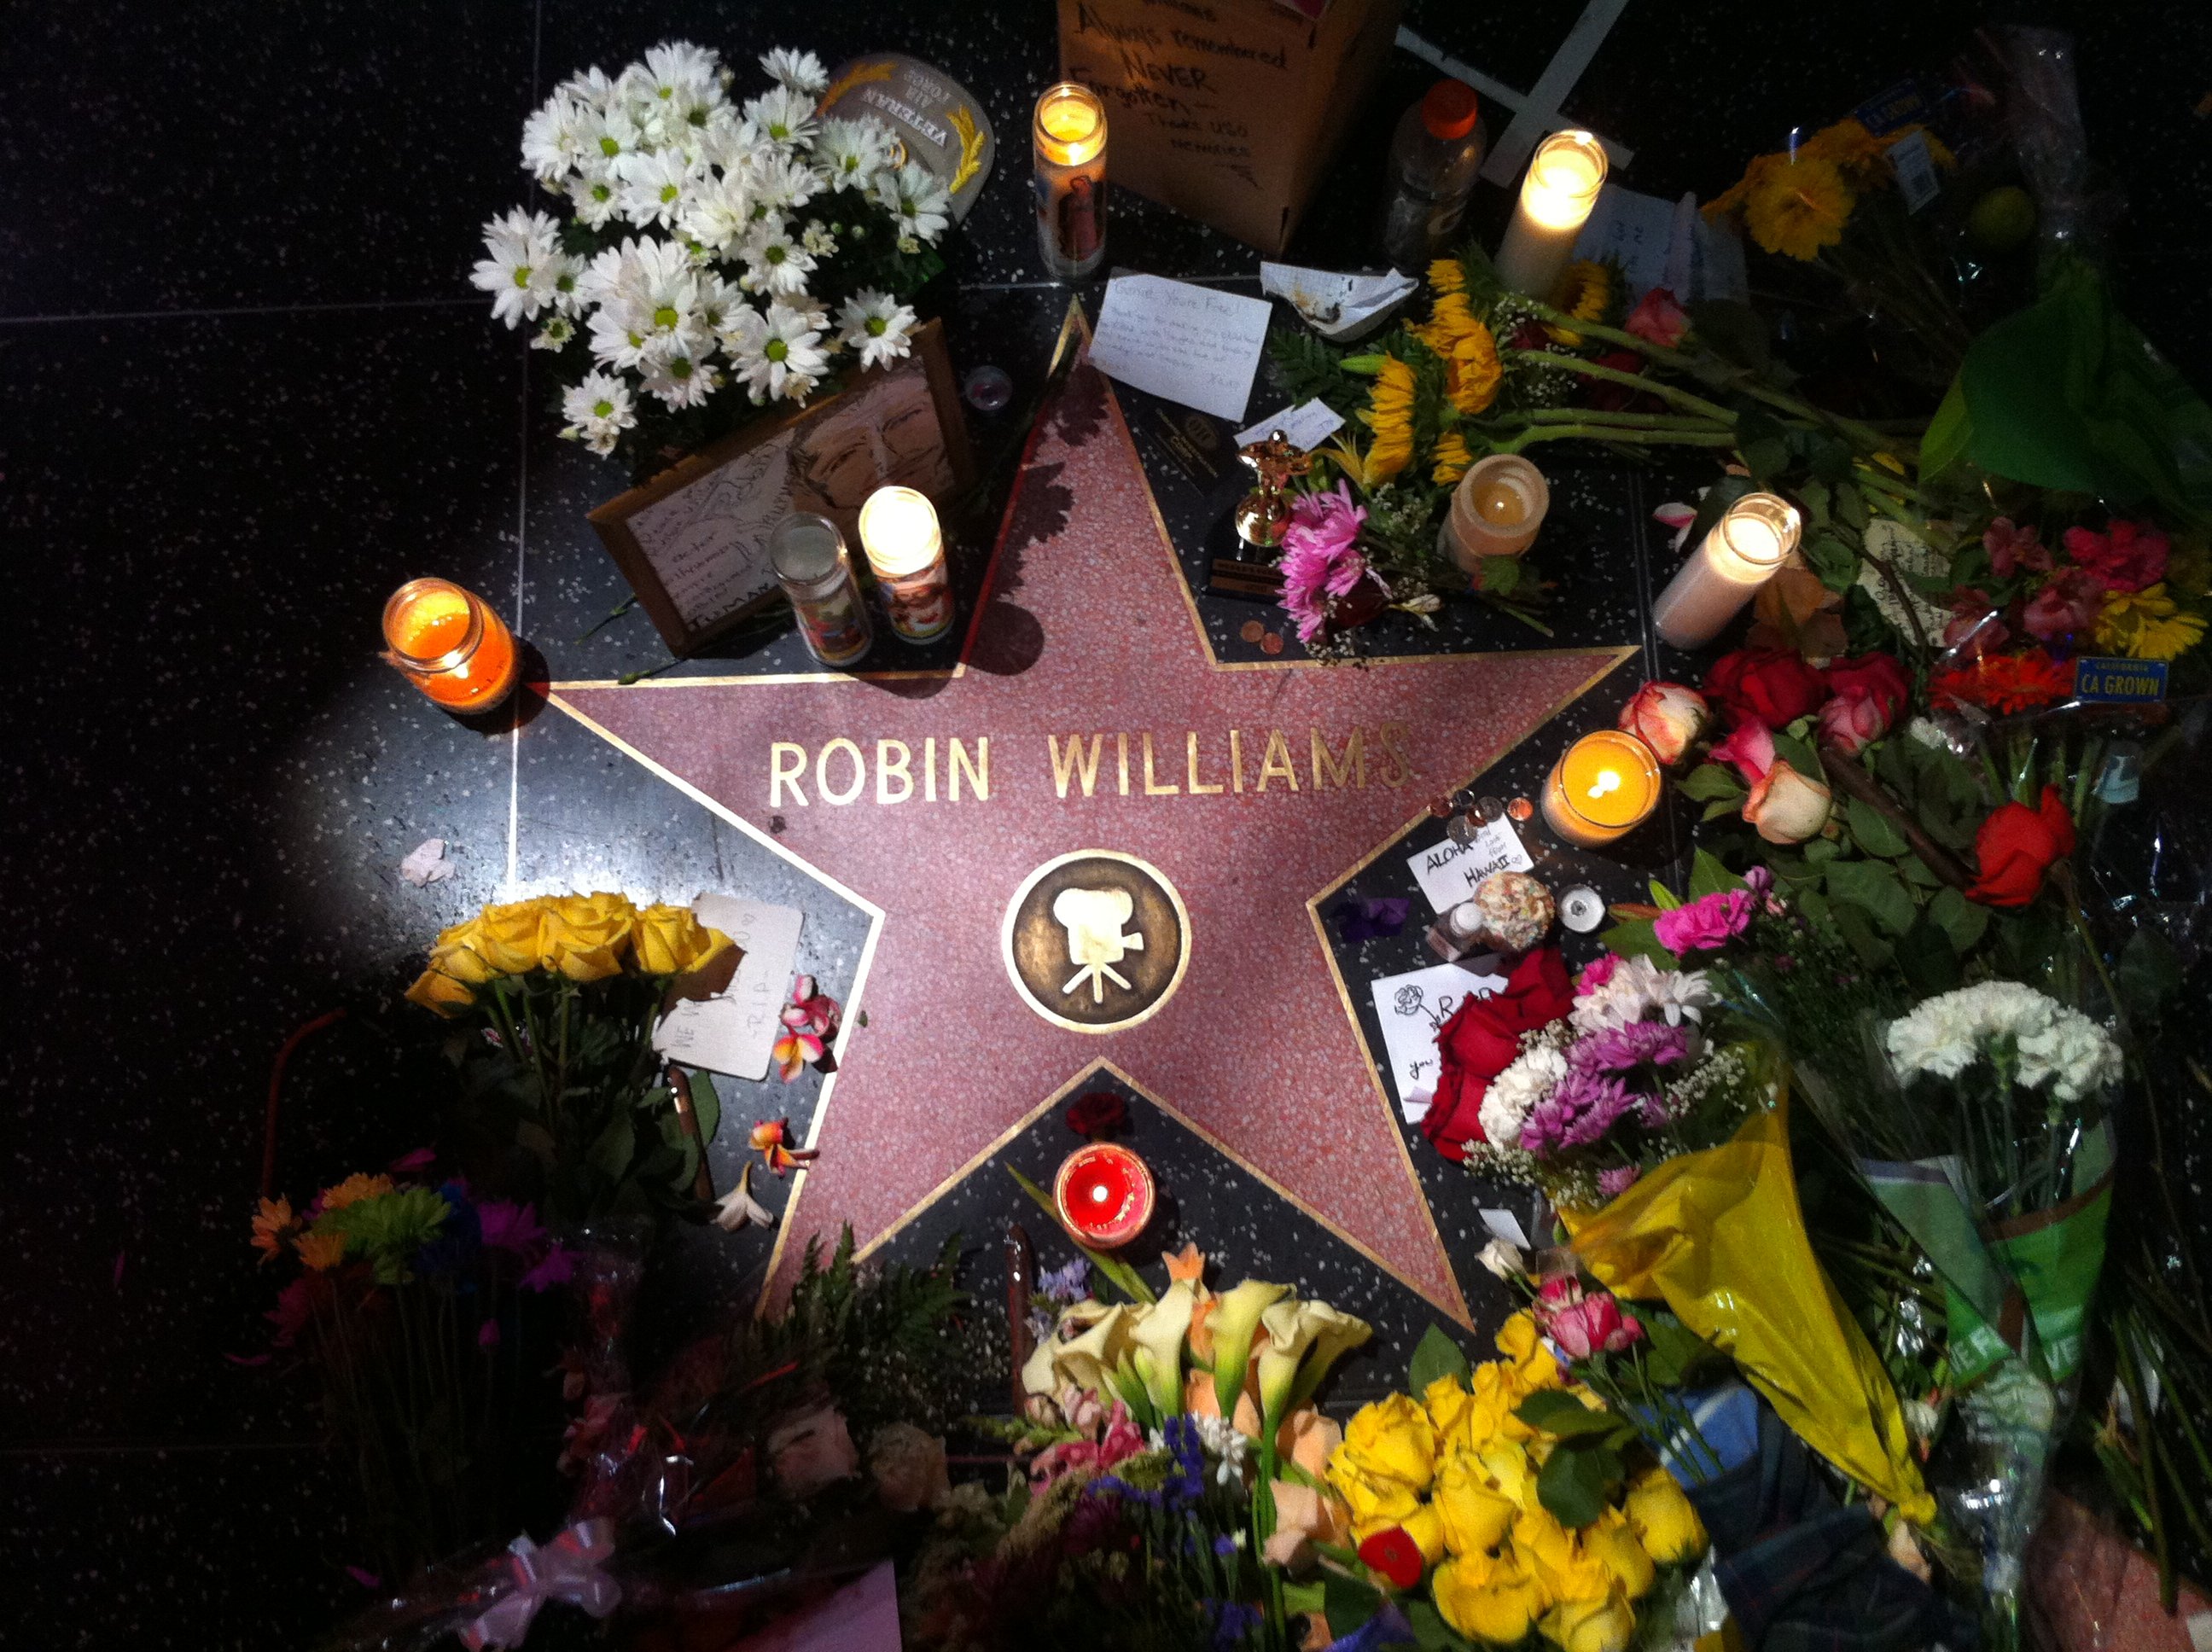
<point x="1104" y="1194"/>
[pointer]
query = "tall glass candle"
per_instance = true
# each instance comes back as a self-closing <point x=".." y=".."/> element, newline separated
<point x="1738" y="556"/>
<point x="1561" y="186"/>
<point x="1603" y="787"/>
<point x="1104" y="1194"/>
<point x="808" y="555"/>
<point x="1496" y="510"/>
<point x="899" y="530"/>
<point x="448" y="643"/>
<point x="1068" y="139"/>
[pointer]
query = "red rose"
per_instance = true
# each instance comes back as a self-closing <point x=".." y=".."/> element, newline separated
<point x="1393" y="1552"/>
<point x="1771" y="686"/>
<point x="1659" y="319"/>
<point x="1096" y="1112"/>
<point x="2016" y="846"/>
<point x="1481" y="1040"/>
<point x="1877" y="678"/>
<point x="2066" y="607"/>
<point x="2126" y="555"/>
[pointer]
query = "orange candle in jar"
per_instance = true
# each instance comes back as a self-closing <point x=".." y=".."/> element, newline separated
<point x="1603" y="786"/>
<point x="447" y="641"/>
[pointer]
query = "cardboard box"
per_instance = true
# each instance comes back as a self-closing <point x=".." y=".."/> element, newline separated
<point x="1225" y="110"/>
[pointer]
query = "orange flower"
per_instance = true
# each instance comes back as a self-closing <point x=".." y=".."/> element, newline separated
<point x="2006" y="683"/>
<point x="271" y="1223"/>
<point x="1188" y="1263"/>
<point x="353" y="1189"/>
<point x="321" y="1252"/>
<point x="771" y="1139"/>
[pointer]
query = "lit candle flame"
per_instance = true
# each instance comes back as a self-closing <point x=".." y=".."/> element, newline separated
<point x="1608" y="780"/>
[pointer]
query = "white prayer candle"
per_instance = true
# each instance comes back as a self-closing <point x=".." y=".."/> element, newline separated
<point x="1738" y="556"/>
<point x="899" y="532"/>
<point x="1564" y="178"/>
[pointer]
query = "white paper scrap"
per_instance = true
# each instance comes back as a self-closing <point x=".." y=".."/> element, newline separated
<point x="1305" y="427"/>
<point x="735" y="1032"/>
<point x="1659" y="243"/>
<point x="1338" y="306"/>
<point x="426" y="864"/>
<point x="1448" y="872"/>
<point x="1196" y="345"/>
<point x="1503" y="1225"/>
<point x="1411" y="1007"/>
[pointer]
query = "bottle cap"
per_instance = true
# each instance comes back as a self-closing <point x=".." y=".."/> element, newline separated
<point x="1449" y="108"/>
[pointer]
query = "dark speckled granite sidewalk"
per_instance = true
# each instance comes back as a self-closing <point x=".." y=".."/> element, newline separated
<point x="244" y="390"/>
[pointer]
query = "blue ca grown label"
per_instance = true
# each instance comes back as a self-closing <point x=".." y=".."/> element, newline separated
<point x="2119" y="680"/>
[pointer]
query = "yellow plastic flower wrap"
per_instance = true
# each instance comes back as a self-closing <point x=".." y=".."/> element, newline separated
<point x="1718" y="1237"/>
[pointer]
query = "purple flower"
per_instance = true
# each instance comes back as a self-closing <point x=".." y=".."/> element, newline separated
<point x="1619" y="1180"/>
<point x="556" y="1267"/>
<point x="1707" y="923"/>
<point x="1320" y="557"/>
<point x="1580" y="1111"/>
<point x="1069" y="1284"/>
<point x="1622" y="1049"/>
<point x="509" y="1226"/>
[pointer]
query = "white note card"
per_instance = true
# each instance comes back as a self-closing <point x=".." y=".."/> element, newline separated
<point x="735" y="1032"/>
<point x="1182" y="342"/>
<point x="1305" y="427"/>
<point x="1411" y="1007"/>
<point x="708" y="541"/>
<point x="1448" y="872"/>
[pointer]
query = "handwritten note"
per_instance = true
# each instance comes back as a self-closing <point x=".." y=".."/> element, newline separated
<point x="708" y="541"/>
<point x="1448" y="872"/>
<point x="1411" y="1007"/>
<point x="1659" y="243"/>
<point x="1307" y="425"/>
<point x="735" y="1032"/>
<point x="1183" y="343"/>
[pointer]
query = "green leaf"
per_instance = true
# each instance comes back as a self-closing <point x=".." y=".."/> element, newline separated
<point x="1436" y="1355"/>
<point x="1127" y="1279"/>
<point x="1852" y="507"/>
<point x="705" y="1103"/>
<point x="1833" y="559"/>
<point x="1873" y="831"/>
<point x="1918" y="874"/>
<point x="1498" y="576"/>
<point x="612" y="1153"/>
<point x="1724" y="806"/>
<point x="1799" y="755"/>
<point x="1431" y="1632"/>
<point x="1712" y="783"/>
<point x="1635" y="938"/>
<point x="1877" y="888"/>
<point x="1821" y="851"/>
<point x="1948" y="435"/>
<point x="1348" y="1601"/>
<point x="1856" y="927"/>
<point x="1664" y="898"/>
<point x="1709" y="876"/>
<point x="1962" y="920"/>
<point x="1675" y="1353"/>
<point x="1558" y="1412"/>
<point x="1927" y="960"/>
<point x="1575" y="1482"/>
<point x="1732" y="330"/>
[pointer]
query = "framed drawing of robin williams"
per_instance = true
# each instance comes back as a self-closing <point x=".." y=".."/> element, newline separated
<point x="693" y="541"/>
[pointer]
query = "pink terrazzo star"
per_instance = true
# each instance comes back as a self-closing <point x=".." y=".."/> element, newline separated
<point x="1086" y="629"/>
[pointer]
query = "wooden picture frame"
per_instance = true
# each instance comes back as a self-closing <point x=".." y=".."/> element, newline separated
<point x="692" y="541"/>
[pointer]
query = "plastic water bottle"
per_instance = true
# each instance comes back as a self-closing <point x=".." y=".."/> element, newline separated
<point x="1434" y="158"/>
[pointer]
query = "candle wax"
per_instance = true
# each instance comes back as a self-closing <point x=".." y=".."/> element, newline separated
<point x="1606" y="780"/>
<point x="1501" y="505"/>
<point x="437" y="622"/>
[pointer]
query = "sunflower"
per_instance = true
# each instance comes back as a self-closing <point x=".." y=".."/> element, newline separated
<point x="1389" y="415"/>
<point x="1447" y="276"/>
<point x="1451" y="458"/>
<point x="1473" y="371"/>
<point x="2147" y="623"/>
<point x="1450" y="321"/>
<point x="1796" y="208"/>
<point x="1584" y="292"/>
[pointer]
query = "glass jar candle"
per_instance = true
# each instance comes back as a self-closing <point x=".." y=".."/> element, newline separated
<point x="1103" y="1193"/>
<point x="1603" y="787"/>
<point x="808" y="555"/>
<point x="1746" y="546"/>
<point x="1557" y="194"/>
<point x="906" y="552"/>
<point x="1497" y="510"/>
<point x="1068" y="143"/>
<point x="448" y="643"/>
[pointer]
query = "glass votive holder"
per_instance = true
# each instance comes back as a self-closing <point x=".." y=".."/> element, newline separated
<point x="448" y="643"/>
<point x="1068" y="145"/>
<point x="1103" y="1193"/>
<point x="812" y="566"/>
<point x="906" y="552"/>
<point x="1602" y="788"/>
<point x="1497" y="510"/>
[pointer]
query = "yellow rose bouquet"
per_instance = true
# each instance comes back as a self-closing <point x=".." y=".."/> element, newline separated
<point x="1462" y="1531"/>
<point x="567" y="990"/>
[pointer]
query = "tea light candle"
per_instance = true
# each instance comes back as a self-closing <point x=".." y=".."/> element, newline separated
<point x="899" y="530"/>
<point x="1068" y="145"/>
<point x="1103" y="1193"/>
<point x="1739" y="556"/>
<point x="448" y="643"/>
<point x="1603" y="786"/>
<point x="1497" y="510"/>
<point x="1564" y="178"/>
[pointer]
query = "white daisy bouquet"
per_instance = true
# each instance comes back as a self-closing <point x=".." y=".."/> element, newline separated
<point x="712" y="256"/>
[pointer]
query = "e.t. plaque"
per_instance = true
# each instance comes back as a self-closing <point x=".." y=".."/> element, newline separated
<point x="1095" y="940"/>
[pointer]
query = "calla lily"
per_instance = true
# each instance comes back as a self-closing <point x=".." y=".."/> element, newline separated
<point x="1040" y="1372"/>
<point x="1236" y="1317"/>
<point x="1308" y="1334"/>
<point x="1088" y="1361"/>
<point x="1155" y="1345"/>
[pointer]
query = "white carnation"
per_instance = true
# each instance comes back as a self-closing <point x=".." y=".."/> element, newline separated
<point x="1514" y="1093"/>
<point x="2053" y="1045"/>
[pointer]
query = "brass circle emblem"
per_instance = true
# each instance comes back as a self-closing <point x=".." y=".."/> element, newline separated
<point x="1095" y="940"/>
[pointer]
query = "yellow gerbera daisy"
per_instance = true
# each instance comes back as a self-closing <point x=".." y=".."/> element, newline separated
<point x="2147" y="624"/>
<point x="1452" y="458"/>
<point x="1446" y="275"/>
<point x="355" y="1187"/>
<point x="1796" y="208"/>
<point x="1854" y="150"/>
<point x="1473" y="371"/>
<point x="1389" y="415"/>
<point x="1584" y="292"/>
<point x="321" y="1252"/>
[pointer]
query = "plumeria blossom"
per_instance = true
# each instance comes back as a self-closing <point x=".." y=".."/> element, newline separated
<point x="771" y="1139"/>
<point x="738" y="1209"/>
<point x="809" y="1021"/>
<point x="877" y="325"/>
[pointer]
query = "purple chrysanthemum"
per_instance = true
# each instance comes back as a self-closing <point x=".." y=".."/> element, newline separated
<point x="1622" y="1049"/>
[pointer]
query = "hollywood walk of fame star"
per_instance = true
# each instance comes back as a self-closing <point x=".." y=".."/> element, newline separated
<point x="1237" y="784"/>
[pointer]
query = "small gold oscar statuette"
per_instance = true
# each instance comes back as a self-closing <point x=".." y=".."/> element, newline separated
<point x="1262" y="514"/>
